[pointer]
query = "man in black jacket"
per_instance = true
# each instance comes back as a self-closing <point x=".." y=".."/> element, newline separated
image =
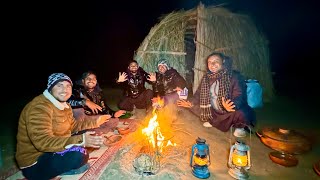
<point x="89" y="102"/>
<point x="135" y="93"/>
<point x="168" y="83"/>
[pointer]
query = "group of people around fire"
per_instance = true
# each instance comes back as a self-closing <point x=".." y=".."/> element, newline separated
<point x="57" y="126"/>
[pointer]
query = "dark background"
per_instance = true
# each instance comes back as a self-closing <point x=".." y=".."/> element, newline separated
<point x="43" y="37"/>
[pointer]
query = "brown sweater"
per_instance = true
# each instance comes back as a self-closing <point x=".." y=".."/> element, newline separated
<point x="45" y="128"/>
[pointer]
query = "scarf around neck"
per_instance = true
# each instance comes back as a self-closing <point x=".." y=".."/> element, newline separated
<point x="224" y="78"/>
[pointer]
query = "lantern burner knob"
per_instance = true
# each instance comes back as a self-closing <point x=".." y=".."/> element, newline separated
<point x="200" y="141"/>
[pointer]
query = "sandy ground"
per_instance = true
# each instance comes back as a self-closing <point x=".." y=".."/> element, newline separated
<point x="183" y="128"/>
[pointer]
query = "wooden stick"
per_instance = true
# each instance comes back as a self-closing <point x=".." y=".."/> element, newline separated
<point x="163" y="52"/>
<point x="182" y="131"/>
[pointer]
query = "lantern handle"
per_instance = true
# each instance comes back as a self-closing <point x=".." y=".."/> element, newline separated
<point x="209" y="162"/>
<point x="230" y="137"/>
<point x="192" y="153"/>
<point x="249" y="160"/>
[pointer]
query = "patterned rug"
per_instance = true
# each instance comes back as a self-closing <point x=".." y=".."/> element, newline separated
<point x="99" y="159"/>
<point x="97" y="168"/>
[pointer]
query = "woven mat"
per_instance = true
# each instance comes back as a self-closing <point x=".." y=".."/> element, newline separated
<point x="99" y="159"/>
<point x="97" y="168"/>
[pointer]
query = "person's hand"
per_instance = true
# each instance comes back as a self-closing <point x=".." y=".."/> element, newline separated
<point x="184" y="103"/>
<point x="103" y="118"/>
<point x="152" y="77"/>
<point x="154" y="100"/>
<point x="119" y="113"/>
<point x="92" y="139"/>
<point x="177" y="89"/>
<point x="228" y="105"/>
<point x="95" y="108"/>
<point x="122" y="77"/>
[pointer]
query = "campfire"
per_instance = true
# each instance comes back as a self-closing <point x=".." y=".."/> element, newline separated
<point x="150" y="163"/>
<point x="154" y="135"/>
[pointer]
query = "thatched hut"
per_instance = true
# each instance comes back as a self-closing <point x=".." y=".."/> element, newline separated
<point x="187" y="37"/>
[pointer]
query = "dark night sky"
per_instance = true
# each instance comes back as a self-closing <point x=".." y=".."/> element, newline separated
<point x="72" y="37"/>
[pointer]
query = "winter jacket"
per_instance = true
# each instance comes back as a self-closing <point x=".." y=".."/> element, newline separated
<point x="97" y="96"/>
<point x="167" y="82"/>
<point x="237" y="95"/>
<point x="43" y="127"/>
<point x="135" y="84"/>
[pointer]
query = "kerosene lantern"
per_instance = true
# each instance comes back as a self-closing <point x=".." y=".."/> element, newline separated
<point x="200" y="159"/>
<point x="239" y="160"/>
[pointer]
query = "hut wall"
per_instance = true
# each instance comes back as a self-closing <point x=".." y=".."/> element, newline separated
<point x="235" y="36"/>
<point x="217" y="29"/>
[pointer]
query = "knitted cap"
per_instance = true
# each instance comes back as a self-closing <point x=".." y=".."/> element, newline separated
<point x="55" y="78"/>
<point x="163" y="62"/>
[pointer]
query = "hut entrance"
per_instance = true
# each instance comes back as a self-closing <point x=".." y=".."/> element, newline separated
<point x="186" y="38"/>
<point x="190" y="49"/>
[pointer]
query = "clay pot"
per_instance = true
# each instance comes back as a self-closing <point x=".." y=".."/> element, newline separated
<point x="283" y="159"/>
<point x="124" y="130"/>
<point x="284" y="140"/>
<point x="112" y="140"/>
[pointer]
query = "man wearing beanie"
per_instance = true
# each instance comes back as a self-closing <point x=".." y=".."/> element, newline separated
<point x="45" y="145"/>
<point x="168" y="82"/>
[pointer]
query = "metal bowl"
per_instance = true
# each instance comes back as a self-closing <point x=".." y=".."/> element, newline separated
<point x="283" y="159"/>
<point x="283" y="140"/>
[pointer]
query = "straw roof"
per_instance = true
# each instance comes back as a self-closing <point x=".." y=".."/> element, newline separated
<point x="186" y="38"/>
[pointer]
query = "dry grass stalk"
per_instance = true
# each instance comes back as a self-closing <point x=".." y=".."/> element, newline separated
<point x="186" y="38"/>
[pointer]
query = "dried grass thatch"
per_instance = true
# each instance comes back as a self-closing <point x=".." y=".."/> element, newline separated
<point x="186" y="38"/>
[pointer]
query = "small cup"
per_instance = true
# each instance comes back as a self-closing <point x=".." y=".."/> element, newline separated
<point x="97" y="133"/>
<point x="123" y="131"/>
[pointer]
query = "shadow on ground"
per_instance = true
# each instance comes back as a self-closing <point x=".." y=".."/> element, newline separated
<point x="281" y="112"/>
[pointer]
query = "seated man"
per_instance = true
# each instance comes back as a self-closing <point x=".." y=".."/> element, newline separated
<point x="89" y="102"/>
<point x="46" y="147"/>
<point x="168" y="83"/>
<point x="135" y="93"/>
<point x="221" y="99"/>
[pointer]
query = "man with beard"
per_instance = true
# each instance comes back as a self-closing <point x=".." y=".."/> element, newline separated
<point x="168" y="82"/>
<point x="46" y="147"/>
<point x="88" y="101"/>
<point x="135" y="93"/>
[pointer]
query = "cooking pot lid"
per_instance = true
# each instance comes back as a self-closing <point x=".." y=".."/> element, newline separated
<point x="285" y="135"/>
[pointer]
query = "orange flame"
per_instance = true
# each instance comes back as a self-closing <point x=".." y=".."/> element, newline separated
<point x="153" y="131"/>
<point x="157" y="102"/>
